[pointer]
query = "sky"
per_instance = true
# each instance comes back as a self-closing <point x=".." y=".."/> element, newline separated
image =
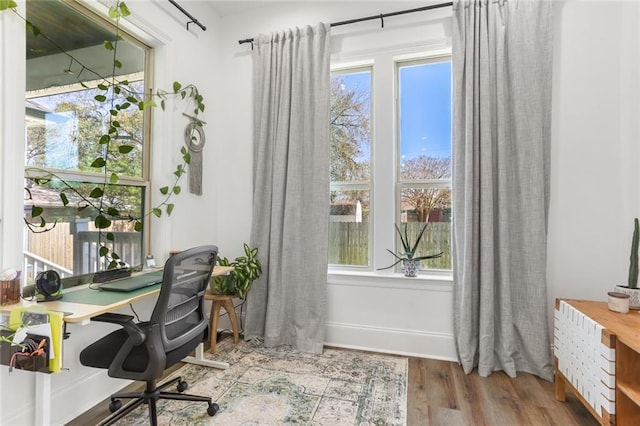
<point x="425" y="110"/>
<point x="425" y="105"/>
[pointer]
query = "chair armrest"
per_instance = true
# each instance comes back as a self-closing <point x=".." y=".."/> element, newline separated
<point x="126" y="322"/>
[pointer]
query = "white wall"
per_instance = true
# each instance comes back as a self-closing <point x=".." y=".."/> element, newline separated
<point x="11" y="94"/>
<point x="595" y="147"/>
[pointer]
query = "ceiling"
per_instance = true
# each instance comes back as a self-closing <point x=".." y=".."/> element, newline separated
<point x="226" y="8"/>
<point x="65" y="28"/>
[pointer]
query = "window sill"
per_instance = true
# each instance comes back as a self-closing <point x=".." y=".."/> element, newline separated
<point x="424" y="281"/>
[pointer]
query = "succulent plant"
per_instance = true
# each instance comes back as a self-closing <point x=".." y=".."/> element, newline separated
<point x="409" y="249"/>
<point x="633" y="258"/>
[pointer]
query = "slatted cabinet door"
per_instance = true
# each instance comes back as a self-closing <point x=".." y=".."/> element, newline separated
<point x="579" y="324"/>
<point x="584" y="352"/>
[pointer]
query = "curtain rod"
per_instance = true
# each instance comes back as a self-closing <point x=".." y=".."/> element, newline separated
<point x="192" y="21"/>
<point x="372" y="17"/>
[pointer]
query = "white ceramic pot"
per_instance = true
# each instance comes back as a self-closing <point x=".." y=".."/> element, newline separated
<point x="411" y="267"/>
<point x="634" y="295"/>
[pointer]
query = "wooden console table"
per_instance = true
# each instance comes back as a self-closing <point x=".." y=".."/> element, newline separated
<point x="597" y="356"/>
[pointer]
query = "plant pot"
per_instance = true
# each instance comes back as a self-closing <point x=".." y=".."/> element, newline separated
<point x="411" y="268"/>
<point x="634" y="295"/>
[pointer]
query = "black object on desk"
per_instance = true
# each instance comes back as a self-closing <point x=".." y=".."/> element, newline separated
<point x="133" y="283"/>
<point x="111" y="274"/>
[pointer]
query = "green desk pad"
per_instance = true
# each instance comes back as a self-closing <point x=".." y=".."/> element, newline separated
<point x="102" y="297"/>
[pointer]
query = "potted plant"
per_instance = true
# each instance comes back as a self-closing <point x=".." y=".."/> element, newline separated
<point x="632" y="283"/>
<point x="410" y="262"/>
<point x="238" y="282"/>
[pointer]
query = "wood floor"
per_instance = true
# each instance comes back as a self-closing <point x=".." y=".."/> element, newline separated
<point x="439" y="393"/>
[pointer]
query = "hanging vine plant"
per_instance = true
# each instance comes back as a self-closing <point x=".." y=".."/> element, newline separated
<point x="118" y="96"/>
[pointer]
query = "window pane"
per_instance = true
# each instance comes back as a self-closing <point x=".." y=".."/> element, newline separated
<point x="425" y="120"/>
<point x="424" y="115"/>
<point x="350" y="126"/>
<point x="349" y="228"/>
<point x="63" y="131"/>
<point x="70" y="247"/>
<point x="421" y="205"/>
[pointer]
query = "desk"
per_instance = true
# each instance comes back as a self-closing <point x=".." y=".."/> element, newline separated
<point x="81" y="313"/>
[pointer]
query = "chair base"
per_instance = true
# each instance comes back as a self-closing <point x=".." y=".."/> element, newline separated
<point x="150" y="396"/>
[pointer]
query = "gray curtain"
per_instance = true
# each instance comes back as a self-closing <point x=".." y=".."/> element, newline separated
<point x="501" y="136"/>
<point x="287" y="304"/>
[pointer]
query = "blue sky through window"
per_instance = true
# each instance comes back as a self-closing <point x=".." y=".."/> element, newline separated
<point x="425" y="110"/>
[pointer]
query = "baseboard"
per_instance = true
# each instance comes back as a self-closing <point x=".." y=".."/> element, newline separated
<point x="392" y="341"/>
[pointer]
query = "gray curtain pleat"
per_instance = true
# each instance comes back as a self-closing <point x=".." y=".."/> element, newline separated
<point x="287" y="304"/>
<point x="501" y="141"/>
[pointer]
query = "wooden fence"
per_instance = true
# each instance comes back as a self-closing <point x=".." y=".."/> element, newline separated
<point x="349" y="243"/>
<point x="77" y="250"/>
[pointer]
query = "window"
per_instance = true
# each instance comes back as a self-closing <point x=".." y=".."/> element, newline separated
<point x="424" y="163"/>
<point x="350" y="120"/>
<point x="390" y="160"/>
<point x="64" y="121"/>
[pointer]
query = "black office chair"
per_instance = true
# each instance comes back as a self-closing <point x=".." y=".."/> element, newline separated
<point x="142" y="351"/>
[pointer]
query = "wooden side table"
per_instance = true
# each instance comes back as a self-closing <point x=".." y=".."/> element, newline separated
<point x="221" y="301"/>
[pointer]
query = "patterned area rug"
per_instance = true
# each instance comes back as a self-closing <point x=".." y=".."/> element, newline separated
<point x="282" y="386"/>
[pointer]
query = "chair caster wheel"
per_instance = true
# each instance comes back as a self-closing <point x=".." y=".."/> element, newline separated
<point x="213" y="409"/>
<point x="182" y="386"/>
<point x="115" y="405"/>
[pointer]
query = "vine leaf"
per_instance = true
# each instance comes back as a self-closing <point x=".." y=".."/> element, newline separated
<point x="7" y="4"/>
<point x="96" y="193"/>
<point x="98" y="163"/>
<point x="102" y="222"/>
<point x="36" y="211"/>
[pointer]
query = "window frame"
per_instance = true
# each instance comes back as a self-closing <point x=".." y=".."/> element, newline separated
<point x="402" y="184"/>
<point x="352" y="68"/>
<point x="144" y="181"/>
<point x="386" y="186"/>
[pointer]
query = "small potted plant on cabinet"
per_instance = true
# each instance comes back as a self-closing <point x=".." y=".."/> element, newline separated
<point x="238" y="282"/>
<point x="632" y="284"/>
<point x="410" y="262"/>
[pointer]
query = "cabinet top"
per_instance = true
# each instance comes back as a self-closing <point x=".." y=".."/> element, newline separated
<point x="626" y="327"/>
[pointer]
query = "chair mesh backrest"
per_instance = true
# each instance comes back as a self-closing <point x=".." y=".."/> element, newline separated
<point x="180" y="307"/>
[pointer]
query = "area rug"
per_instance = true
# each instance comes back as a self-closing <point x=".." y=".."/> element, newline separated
<point x="282" y="386"/>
